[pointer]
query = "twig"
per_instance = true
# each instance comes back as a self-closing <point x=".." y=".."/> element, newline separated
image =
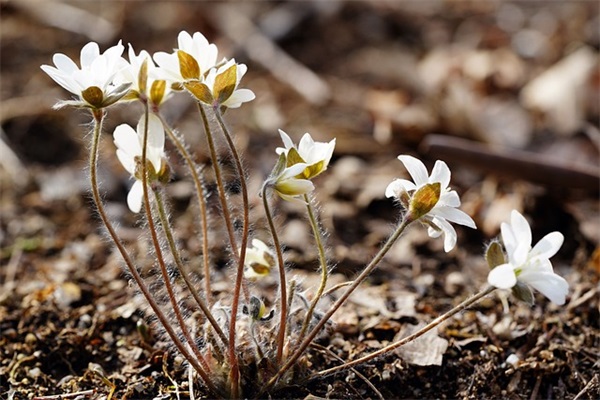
<point x="520" y="164"/>
<point x="337" y="287"/>
<point x="536" y="388"/>
<point x="592" y="382"/>
<point x="461" y="307"/>
<point x="361" y="376"/>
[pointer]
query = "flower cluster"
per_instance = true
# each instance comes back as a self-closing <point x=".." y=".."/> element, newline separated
<point x="103" y="79"/>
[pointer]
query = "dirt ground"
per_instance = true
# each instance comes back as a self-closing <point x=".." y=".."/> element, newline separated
<point x="505" y="92"/>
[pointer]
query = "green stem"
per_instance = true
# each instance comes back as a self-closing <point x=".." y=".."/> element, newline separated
<point x="233" y="361"/>
<point x="158" y="250"/>
<point x="462" y="306"/>
<point x="363" y="275"/>
<point x="98" y="120"/>
<point x="198" y="184"/>
<point x="322" y="260"/>
<point x="175" y="252"/>
<point x="282" y="281"/>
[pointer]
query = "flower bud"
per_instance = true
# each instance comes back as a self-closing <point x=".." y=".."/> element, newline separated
<point x="257" y="308"/>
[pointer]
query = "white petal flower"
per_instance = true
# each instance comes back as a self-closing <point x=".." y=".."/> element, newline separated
<point x="129" y="152"/>
<point x="153" y="88"/>
<point x="236" y="97"/>
<point x="288" y="186"/>
<point x="197" y="47"/>
<point x="444" y="211"/>
<point x="316" y="155"/>
<point x="97" y="70"/>
<point x="259" y="260"/>
<point x="530" y="266"/>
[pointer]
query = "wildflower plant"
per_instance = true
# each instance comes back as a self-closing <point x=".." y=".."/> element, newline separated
<point x="238" y="347"/>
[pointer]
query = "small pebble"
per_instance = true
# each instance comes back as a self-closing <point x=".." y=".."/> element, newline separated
<point x="513" y="360"/>
<point x="30" y="338"/>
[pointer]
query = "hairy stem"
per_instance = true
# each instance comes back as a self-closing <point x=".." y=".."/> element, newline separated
<point x="240" y="283"/>
<point x="314" y="223"/>
<point x="182" y="270"/>
<point x="282" y="281"/>
<point x="198" y="184"/>
<point x="93" y="165"/>
<point x="159" y="255"/>
<point x="461" y="307"/>
<point x="363" y="275"/>
<point x="233" y="361"/>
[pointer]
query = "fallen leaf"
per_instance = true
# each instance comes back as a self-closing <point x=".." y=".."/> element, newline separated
<point x="429" y="349"/>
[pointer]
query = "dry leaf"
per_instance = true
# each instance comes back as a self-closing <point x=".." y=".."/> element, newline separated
<point x="429" y="349"/>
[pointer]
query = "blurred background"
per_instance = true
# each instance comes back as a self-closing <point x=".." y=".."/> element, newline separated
<point x="507" y="93"/>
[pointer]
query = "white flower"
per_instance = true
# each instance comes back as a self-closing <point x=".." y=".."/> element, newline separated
<point x="527" y="265"/>
<point x="197" y="50"/>
<point x="237" y="96"/>
<point x="288" y="186"/>
<point x="316" y="155"/>
<point x="129" y="152"/>
<point x="149" y="85"/>
<point x="440" y="214"/>
<point x="93" y="82"/>
<point x="259" y="260"/>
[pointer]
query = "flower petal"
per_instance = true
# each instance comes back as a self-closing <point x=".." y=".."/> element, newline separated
<point x="135" y="197"/>
<point x="89" y="53"/>
<point x="128" y="147"/>
<point x="502" y="277"/>
<point x="398" y="186"/>
<point x="551" y="285"/>
<point x="521" y="228"/>
<point x="287" y="141"/>
<point x="306" y="147"/>
<point x="449" y="198"/>
<point x="64" y="63"/>
<point x="415" y="168"/>
<point x="441" y="174"/>
<point x="449" y="233"/>
<point x="238" y="97"/>
<point x="453" y="215"/>
<point x="548" y="246"/>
